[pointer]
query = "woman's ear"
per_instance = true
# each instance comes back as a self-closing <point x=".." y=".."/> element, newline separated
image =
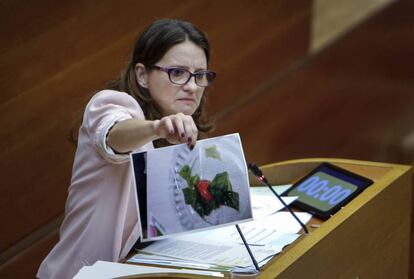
<point x="141" y="75"/>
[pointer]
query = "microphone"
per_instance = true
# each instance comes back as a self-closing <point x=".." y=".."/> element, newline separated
<point x="260" y="176"/>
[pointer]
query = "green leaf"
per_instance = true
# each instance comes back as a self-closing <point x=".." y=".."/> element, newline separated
<point x="189" y="195"/>
<point x="212" y="152"/>
<point x="216" y="192"/>
<point x="222" y="179"/>
<point x="194" y="180"/>
<point x="232" y="200"/>
<point x="186" y="174"/>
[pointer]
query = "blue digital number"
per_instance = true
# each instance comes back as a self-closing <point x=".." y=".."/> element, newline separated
<point x="340" y="196"/>
<point x="332" y="192"/>
<point x="314" y="186"/>
<point x="308" y="184"/>
<point x="317" y="187"/>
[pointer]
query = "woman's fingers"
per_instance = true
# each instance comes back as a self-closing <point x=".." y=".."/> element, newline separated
<point x="178" y="122"/>
<point x="191" y="132"/>
<point x="164" y="127"/>
<point x="180" y="128"/>
<point x="169" y="125"/>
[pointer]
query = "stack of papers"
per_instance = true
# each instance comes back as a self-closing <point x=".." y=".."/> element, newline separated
<point x="267" y="235"/>
<point x="105" y="270"/>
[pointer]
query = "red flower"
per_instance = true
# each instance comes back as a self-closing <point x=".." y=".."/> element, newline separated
<point x="202" y="187"/>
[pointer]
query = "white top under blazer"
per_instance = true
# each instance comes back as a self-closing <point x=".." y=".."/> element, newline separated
<point x="101" y="219"/>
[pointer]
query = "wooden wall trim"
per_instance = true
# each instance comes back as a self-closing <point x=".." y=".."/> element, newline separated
<point x="26" y="242"/>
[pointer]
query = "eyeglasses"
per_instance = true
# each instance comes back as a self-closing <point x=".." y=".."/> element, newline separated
<point x="182" y="76"/>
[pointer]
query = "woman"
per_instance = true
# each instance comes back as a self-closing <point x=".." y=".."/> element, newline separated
<point x="159" y="98"/>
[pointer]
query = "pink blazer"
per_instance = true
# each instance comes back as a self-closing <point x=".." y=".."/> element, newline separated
<point x="101" y="220"/>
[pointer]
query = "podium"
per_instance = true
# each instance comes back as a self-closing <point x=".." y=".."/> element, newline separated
<point x="368" y="238"/>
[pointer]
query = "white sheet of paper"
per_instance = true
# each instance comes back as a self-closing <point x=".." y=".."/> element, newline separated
<point x="204" y="251"/>
<point x="170" y="261"/>
<point x="282" y="221"/>
<point x="266" y="205"/>
<point x="254" y="233"/>
<point x="265" y="191"/>
<point x="106" y="270"/>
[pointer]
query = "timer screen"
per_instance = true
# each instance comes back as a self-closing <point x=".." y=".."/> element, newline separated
<point x="326" y="189"/>
<point x="323" y="191"/>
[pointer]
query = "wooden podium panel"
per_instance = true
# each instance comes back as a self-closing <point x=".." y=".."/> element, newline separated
<point x="368" y="238"/>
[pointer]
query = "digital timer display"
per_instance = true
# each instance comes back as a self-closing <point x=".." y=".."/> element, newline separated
<point x="323" y="191"/>
<point x="326" y="189"/>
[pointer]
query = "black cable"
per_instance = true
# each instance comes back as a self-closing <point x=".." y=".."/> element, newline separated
<point x="259" y="174"/>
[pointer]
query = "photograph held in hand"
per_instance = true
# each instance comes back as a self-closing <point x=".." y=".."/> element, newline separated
<point x="190" y="190"/>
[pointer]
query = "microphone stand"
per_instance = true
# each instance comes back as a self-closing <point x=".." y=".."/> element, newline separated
<point x="248" y="248"/>
<point x="259" y="175"/>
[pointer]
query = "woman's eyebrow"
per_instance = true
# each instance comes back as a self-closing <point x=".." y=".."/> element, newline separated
<point x="200" y="69"/>
<point x="188" y="68"/>
<point x="179" y="66"/>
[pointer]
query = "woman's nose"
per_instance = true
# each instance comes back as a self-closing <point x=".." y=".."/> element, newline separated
<point x="191" y="85"/>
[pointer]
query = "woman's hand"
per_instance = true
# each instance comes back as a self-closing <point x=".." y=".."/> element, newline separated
<point x="131" y="134"/>
<point x="177" y="128"/>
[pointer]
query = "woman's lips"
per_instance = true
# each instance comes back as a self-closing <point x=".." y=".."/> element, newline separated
<point x="190" y="100"/>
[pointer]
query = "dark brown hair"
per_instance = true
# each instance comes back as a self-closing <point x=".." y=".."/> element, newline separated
<point x="149" y="48"/>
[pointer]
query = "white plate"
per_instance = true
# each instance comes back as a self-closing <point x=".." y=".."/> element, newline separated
<point x="207" y="168"/>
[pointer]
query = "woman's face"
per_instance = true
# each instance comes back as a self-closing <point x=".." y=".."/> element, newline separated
<point x="173" y="98"/>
